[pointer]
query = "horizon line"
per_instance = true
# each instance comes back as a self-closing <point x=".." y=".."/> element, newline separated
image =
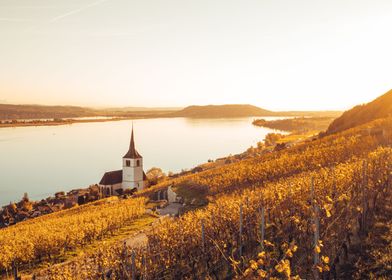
<point x="3" y="102"/>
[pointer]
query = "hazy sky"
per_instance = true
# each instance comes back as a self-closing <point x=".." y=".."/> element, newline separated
<point x="292" y="54"/>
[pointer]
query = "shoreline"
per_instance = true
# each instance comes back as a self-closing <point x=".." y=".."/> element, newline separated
<point x="72" y="121"/>
<point x="149" y="115"/>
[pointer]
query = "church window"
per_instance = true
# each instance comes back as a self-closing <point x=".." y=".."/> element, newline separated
<point x="138" y="163"/>
<point x="128" y="163"/>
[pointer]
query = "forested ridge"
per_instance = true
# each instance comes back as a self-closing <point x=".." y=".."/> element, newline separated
<point x="378" y="108"/>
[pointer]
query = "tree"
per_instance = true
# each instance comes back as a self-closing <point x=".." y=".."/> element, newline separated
<point x="250" y="150"/>
<point x="154" y="175"/>
<point x="272" y="138"/>
<point x="260" y="145"/>
<point x="26" y="205"/>
<point x="12" y="208"/>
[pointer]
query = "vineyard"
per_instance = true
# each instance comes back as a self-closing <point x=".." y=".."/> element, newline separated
<point x="324" y="152"/>
<point x="299" y="213"/>
<point x="48" y="236"/>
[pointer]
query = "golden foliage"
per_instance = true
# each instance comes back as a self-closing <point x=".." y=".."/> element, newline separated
<point x="53" y="234"/>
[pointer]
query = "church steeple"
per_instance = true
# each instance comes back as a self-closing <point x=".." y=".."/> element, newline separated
<point x="132" y="153"/>
<point x="132" y="173"/>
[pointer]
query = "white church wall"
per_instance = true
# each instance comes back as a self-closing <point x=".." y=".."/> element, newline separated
<point x="128" y="184"/>
<point x="131" y="174"/>
<point x="107" y="189"/>
<point x="117" y="186"/>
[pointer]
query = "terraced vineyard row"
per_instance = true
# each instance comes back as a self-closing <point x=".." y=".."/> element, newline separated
<point x="51" y="235"/>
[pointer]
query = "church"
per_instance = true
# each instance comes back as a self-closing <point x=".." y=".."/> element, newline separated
<point x="131" y="175"/>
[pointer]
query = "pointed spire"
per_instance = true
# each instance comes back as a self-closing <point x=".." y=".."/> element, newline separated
<point x="132" y="153"/>
<point x="132" y="145"/>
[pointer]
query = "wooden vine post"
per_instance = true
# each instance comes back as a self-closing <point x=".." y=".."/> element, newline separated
<point x="262" y="228"/>
<point x="203" y="238"/>
<point x="316" y="234"/>
<point x="316" y="228"/>
<point x="364" y="197"/>
<point x="15" y="271"/>
<point x="241" y="229"/>
<point x="334" y="190"/>
<point x="133" y="265"/>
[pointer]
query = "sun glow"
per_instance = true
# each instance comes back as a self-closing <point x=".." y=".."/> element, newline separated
<point x="279" y="55"/>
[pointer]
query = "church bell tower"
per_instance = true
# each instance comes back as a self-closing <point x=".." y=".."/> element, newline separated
<point x="133" y="174"/>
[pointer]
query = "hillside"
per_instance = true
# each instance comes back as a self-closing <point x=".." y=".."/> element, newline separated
<point x="10" y="111"/>
<point x="244" y="110"/>
<point x="143" y="109"/>
<point x="222" y="111"/>
<point x="379" y="108"/>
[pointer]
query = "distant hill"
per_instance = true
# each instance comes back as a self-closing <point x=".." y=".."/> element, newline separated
<point x="244" y="110"/>
<point x="144" y="109"/>
<point x="11" y="112"/>
<point x="222" y="111"/>
<point x="379" y="108"/>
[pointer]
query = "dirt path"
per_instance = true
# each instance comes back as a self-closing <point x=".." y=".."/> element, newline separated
<point x="172" y="209"/>
<point x="140" y="239"/>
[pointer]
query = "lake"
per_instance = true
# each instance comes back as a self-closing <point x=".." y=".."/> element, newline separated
<point x="45" y="159"/>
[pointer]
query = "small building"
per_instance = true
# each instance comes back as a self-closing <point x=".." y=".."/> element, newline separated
<point x="131" y="176"/>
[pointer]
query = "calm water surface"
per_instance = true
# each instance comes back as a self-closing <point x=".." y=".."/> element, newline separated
<point x="45" y="159"/>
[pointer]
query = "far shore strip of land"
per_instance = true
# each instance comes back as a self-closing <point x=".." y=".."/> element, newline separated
<point x="71" y="121"/>
<point x="39" y="115"/>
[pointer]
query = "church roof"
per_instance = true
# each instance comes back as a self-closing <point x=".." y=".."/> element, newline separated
<point x="132" y="153"/>
<point x="115" y="177"/>
<point x="111" y="178"/>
